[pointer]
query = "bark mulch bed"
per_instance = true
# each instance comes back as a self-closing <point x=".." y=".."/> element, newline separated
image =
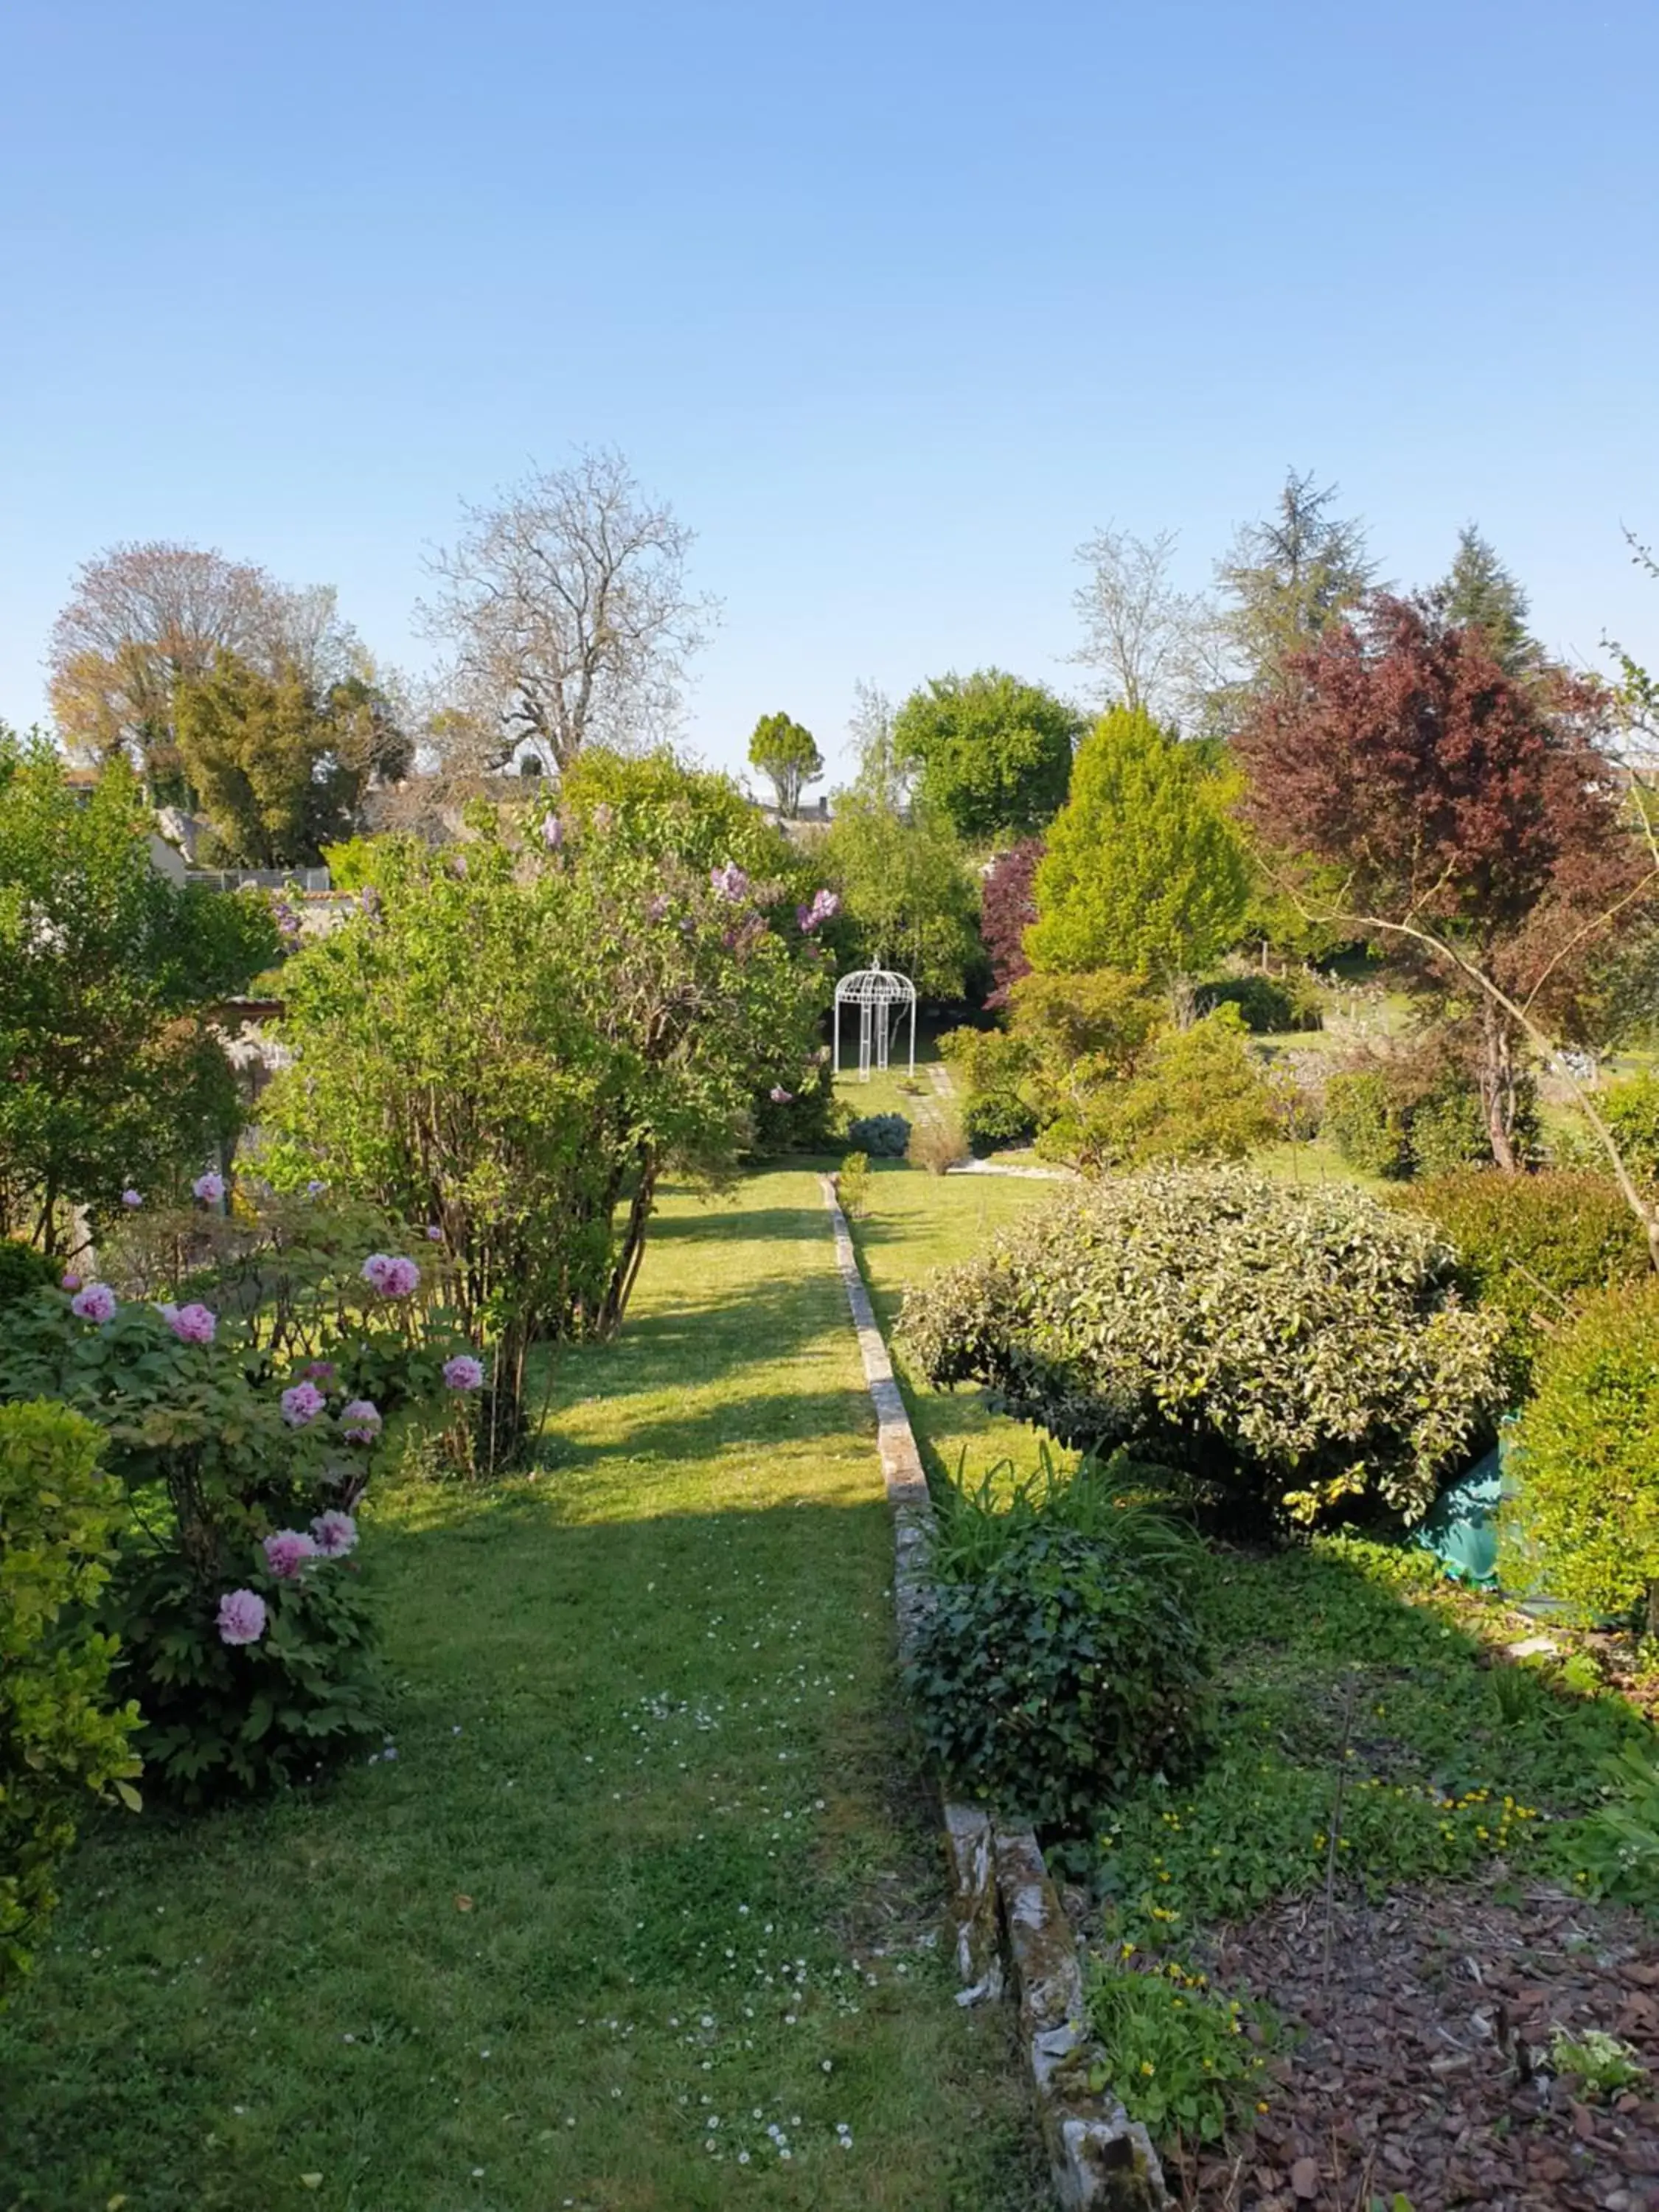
<point x="1412" y="2064"/>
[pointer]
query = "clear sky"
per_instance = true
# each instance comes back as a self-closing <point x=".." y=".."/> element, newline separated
<point x="895" y="300"/>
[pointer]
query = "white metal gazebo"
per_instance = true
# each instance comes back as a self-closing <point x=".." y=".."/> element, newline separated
<point x="882" y="1000"/>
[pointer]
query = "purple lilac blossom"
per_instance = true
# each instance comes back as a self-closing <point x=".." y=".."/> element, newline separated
<point x="361" y="1421"/>
<point x="95" y="1303"/>
<point x="730" y="882"/>
<point x="301" y="1404"/>
<point x="287" y="1551"/>
<point x="241" y="1617"/>
<point x="780" y="1097"/>
<point x="433" y="1234"/>
<point x="552" y="833"/>
<point x="209" y="1187"/>
<point x="336" y="1534"/>
<point x="464" y="1372"/>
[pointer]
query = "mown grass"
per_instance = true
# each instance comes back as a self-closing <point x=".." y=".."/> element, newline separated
<point x="648" y="1894"/>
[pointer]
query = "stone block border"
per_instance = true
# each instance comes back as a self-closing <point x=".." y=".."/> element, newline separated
<point x="1009" y="1929"/>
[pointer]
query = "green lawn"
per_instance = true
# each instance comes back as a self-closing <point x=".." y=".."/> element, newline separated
<point x="917" y="1222"/>
<point x="649" y="1893"/>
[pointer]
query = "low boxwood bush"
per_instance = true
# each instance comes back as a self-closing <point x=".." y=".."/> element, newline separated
<point x="1064" y="1672"/>
<point x="1528" y="1246"/>
<point x="1303" y="1354"/>
<point x="64" y="1744"/>
<point x="1587" y="1455"/>
<point x="883" y="1136"/>
<point x="1269" y="1006"/>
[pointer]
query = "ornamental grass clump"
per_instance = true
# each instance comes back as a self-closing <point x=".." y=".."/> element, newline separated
<point x="1299" y="1355"/>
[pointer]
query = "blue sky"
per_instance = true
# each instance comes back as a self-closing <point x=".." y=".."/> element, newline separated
<point x="895" y="303"/>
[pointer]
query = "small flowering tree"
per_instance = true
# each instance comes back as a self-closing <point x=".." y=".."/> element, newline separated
<point x="526" y="1033"/>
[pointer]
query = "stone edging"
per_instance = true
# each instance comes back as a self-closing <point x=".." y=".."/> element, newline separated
<point x="1008" y="1926"/>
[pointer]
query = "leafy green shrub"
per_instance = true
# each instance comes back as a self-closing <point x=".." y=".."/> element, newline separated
<point x="63" y="1746"/>
<point x="1200" y="1094"/>
<point x="22" y="1269"/>
<point x="1300" y="1352"/>
<point x="1631" y="1110"/>
<point x="1528" y="1245"/>
<point x="1613" y="1851"/>
<point x="1417" y="1111"/>
<point x="853" y="1184"/>
<point x="1058" y="1676"/>
<point x="1587" y="1453"/>
<point x="883" y="1136"/>
<point x="994" y="1122"/>
<point x="1269" y="1006"/>
<point x="221" y="1714"/>
<point x="246" y="1431"/>
<point x="1176" y="2055"/>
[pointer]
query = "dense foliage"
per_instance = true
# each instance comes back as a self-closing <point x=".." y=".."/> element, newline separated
<point x="1528" y="1247"/>
<point x="1416" y="1109"/>
<point x="1143" y="871"/>
<point x="1631" y="1110"/>
<point x="1587" y="1452"/>
<point x="993" y="754"/>
<point x="1063" y="1671"/>
<point x="517" y="1039"/>
<point x="786" y="754"/>
<point x="1299" y="1353"/>
<point x="110" y="1073"/>
<point x="1269" y="1005"/>
<point x="1007" y="908"/>
<point x="1197" y="1093"/>
<point x="910" y="898"/>
<point x="63" y="1743"/>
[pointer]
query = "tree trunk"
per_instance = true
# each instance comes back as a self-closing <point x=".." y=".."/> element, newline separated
<point x="624" y="1274"/>
<point x="1497" y="1084"/>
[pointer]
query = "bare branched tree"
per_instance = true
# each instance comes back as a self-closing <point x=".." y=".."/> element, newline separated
<point x="1144" y="637"/>
<point x="566" y="604"/>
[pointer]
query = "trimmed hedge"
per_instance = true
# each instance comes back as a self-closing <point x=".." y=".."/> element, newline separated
<point x="1303" y="1354"/>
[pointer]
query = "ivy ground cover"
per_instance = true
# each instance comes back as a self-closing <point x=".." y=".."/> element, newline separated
<point x="636" y="1908"/>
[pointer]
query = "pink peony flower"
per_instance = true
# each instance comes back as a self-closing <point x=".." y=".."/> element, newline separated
<point x="209" y="1187"/>
<point x="95" y="1303"/>
<point x="433" y="1234"/>
<point x="320" y="1370"/>
<point x="392" y="1276"/>
<point x="191" y="1324"/>
<point x="287" y="1551"/>
<point x="361" y="1420"/>
<point x="241" y="1617"/>
<point x="336" y="1534"/>
<point x="730" y="882"/>
<point x="464" y="1372"/>
<point x="132" y="1198"/>
<point x="301" y="1404"/>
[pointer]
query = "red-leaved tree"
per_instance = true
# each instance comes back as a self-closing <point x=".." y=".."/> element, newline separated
<point x="1007" y="908"/>
<point x="1476" y="815"/>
